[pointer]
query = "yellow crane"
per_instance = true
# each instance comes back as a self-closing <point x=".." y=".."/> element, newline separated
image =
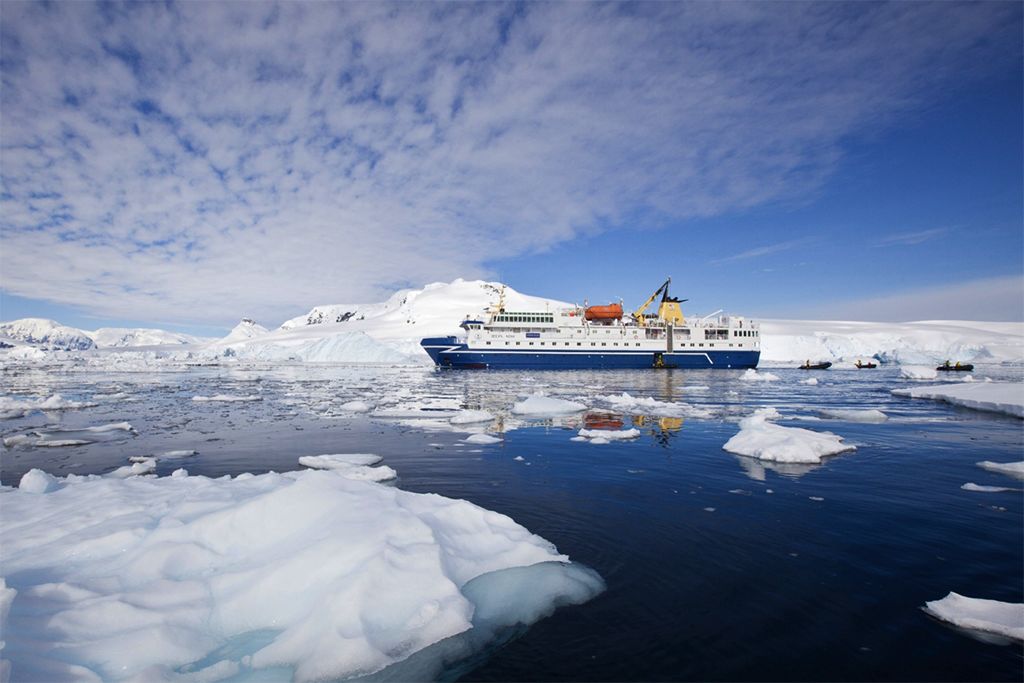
<point x="669" y="310"/>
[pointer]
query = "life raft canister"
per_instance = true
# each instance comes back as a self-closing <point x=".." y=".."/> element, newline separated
<point x="609" y="312"/>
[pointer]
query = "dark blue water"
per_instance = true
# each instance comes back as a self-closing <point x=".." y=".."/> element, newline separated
<point x="718" y="567"/>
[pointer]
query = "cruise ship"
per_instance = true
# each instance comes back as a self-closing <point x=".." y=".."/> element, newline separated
<point x="584" y="337"/>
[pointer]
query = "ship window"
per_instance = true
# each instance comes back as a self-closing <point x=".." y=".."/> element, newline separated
<point x="531" y="343"/>
<point x="488" y="343"/>
<point x="593" y="343"/>
<point x="579" y="343"/>
<point x="638" y="343"/>
<point x="518" y="343"/>
<point x="542" y="343"/>
<point x="615" y="343"/>
<point x="741" y="346"/>
<point x="700" y="345"/>
<point x="604" y="343"/>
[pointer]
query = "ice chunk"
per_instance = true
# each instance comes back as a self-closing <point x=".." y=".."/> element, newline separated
<point x="171" y="455"/>
<point x="540" y="405"/>
<point x="998" y="397"/>
<point x="990" y="616"/>
<point x="298" y="576"/>
<point x="761" y="439"/>
<point x="971" y="486"/>
<point x="1014" y="469"/>
<point x="751" y="375"/>
<point x="609" y="435"/>
<point x="768" y="413"/>
<point x="225" y="398"/>
<point x="353" y="466"/>
<point x="37" y="481"/>
<point x="356" y="407"/>
<point x="466" y="417"/>
<point x="811" y="381"/>
<point x="339" y="460"/>
<point x="482" y="439"/>
<point x="852" y="415"/>
<point x="652" y="406"/>
<point x="918" y="372"/>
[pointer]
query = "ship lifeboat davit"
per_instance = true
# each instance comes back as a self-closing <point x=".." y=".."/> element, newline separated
<point x="609" y="312"/>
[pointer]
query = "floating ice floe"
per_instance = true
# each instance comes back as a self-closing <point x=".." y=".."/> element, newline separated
<point x="466" y="417"/>
<point x="811" y="381"/>
<point x="854" y="415"/>
<point x="482" y="439"/>
<point x="652" y="406"/>
<point x="751" y="375"/>
<point x="997" y="397"/>
<point x="298" y="576"/>
<point x="761" y="439"/>
<point x="990" y="616"/>
<point x="539" y="405"/>
<point x="1014" y="469"/>
<point x="606" y="435"/>
<point x="356" y="407"/>
<point x="979" y="488"/>
<point x="59" y="437"/>
<point x="139" y="466"/>
<point x="177" y="454"/>
<point x="918" y="372"/>
<point x="225" y="398"/>
<point x="356" y="466"/>
<point x="13" y="408"/>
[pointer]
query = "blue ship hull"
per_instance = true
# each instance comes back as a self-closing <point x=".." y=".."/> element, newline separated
<point x="448" y="352"/>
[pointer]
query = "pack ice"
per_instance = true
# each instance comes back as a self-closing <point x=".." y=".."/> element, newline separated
<point x="996" y="397"/>
<point x="304" y="575"/>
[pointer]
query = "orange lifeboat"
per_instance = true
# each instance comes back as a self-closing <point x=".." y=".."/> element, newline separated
<point x="609" y="312"/>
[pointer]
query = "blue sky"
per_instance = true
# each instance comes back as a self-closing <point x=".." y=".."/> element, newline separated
<point x="183" y="165"/>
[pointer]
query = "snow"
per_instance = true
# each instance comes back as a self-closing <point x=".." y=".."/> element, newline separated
<point x="47" y="334"/>
<point x="224" y="398"/>
<point x="759" y="438"/>
<point x="918" y="372"/>
<point x="923" y="343"/>
<point x="854" y="415"/>
<point x="482" y="439"/>
<point x="998" y="397"/>
<point x="751" y="375"/>
<point x="37" y="481"/>
<point x="1014" y="469"/>
<point x="466" y="417"/>
<point x="119" y="337"/>
<point x="979" y="488"/>
<point x="305" y="576"/>
<point x="990" y="616"/>
<point x="540" y="405"/>
<point x="605" y="435"/>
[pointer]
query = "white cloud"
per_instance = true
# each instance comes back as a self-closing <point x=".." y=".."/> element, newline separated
<point x="198" y="161"/>
<point x="911" y="238"/>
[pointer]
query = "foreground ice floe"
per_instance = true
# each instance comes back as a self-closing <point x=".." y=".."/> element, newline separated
<point x="759" y="438"/>
<point x="997" y="397"/>
<point x="990" y="616"/>
<point x="356" y="466"/>
<point x="1014" y="469"/>
<point x="305" y="575"/>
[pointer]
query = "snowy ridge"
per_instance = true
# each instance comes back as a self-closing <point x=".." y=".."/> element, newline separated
<point x="47" y="334"/>
<point x="117" y="337"/>
<point x="926" y="343"/>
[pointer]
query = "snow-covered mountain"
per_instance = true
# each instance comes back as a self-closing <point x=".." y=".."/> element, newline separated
<point x="390" y="332"/>
<point x="107" y="337"/>
<point x="47" y="334"/>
